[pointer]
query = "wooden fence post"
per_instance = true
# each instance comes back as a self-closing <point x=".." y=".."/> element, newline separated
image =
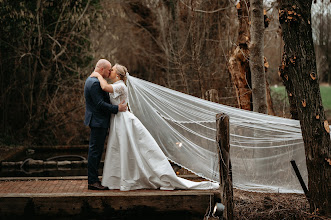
<point x="223" y="141"/>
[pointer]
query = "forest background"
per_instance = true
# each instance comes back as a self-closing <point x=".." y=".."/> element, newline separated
<point x="48" y="49"/>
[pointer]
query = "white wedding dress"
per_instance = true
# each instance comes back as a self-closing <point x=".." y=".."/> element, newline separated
<point x="133" y="158"/>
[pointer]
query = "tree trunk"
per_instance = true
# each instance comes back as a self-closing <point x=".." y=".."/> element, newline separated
<point x="299" y="70"/>
<point x="256" y="61"/>
<point x="289" y="87"/>
<point x="269" y="100"/>
<point x="238" y="62"/>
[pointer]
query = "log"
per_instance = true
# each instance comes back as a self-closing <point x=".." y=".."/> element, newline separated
<point x="223" y="141"/>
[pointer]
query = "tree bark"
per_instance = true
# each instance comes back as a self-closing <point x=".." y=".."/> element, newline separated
<point x="299" y="70"/>
<point x="289" y="87"/>
<point x="256" y="61"/>
<point x="238" y="62"/>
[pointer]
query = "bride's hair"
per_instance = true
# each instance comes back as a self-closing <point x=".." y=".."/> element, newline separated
<point x="121" y="71"/>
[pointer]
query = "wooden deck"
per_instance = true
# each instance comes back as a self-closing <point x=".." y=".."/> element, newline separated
<point x="68" y="197"/>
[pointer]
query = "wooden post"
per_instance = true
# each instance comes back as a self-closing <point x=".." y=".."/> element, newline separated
<point x="223" y="140"/>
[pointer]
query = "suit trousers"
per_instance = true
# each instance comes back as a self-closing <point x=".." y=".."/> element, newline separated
<point x="96" y="146"/>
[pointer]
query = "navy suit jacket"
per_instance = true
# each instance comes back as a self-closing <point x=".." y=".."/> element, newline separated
<point x="97" y="104"/>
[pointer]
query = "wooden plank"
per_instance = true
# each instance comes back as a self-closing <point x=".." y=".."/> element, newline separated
<point x="146" y="204"/>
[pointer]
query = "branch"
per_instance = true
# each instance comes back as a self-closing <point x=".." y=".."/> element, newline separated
<point x="66" y="42"/>
<point x="202" y="11"/>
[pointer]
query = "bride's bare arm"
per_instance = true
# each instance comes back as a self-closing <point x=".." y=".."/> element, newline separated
<point x="103" y="83"/>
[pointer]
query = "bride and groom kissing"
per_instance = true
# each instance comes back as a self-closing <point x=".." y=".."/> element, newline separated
<point x="133" y="158"/>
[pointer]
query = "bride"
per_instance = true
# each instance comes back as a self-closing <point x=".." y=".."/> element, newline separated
<point x="133" y="158"/>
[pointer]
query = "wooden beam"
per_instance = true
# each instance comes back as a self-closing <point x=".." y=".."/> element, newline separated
<point x="223" y="141"/>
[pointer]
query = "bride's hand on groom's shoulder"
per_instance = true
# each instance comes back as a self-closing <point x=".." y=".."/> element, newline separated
<point x="95" y="74"/>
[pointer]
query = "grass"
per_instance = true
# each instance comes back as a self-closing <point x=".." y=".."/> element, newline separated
<point x="326" y="96"/>
<point x="325" y="93"/>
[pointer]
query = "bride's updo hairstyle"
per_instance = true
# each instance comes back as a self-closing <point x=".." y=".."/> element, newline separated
<point x="121" y="71"/>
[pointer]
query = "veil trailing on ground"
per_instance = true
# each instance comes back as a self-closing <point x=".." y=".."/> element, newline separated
<point x="261" y="146"/>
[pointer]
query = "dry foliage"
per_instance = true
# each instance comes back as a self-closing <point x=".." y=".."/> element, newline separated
<point x="254" y="205"/>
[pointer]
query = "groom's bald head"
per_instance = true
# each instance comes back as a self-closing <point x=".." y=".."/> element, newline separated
<point x="102" y="63"/>
<point x="103" y="66"/>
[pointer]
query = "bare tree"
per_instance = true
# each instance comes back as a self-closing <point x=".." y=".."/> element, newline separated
<point x="44" y="53"/>
<point x="299" y="71"/>
<point x="180" y="44"/>
<point x="238" y="63"/>
<point x="321" y="19"/>
<point x="256" y="59"/>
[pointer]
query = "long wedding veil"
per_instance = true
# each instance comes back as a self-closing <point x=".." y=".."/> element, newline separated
<point x="184" y="126"/>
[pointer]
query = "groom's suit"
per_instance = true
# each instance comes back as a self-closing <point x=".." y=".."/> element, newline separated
<point x="97" y="116"/>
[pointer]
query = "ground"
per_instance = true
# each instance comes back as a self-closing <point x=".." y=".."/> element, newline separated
<point x="253" y="205"/>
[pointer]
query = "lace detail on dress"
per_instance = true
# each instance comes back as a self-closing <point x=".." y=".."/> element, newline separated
<point x="120" y="93"/>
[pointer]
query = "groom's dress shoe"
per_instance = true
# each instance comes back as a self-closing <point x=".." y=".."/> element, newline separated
<point x="97" y="186"/>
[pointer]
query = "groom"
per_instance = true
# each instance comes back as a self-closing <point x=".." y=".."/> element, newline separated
<point x="97" y="116"/>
